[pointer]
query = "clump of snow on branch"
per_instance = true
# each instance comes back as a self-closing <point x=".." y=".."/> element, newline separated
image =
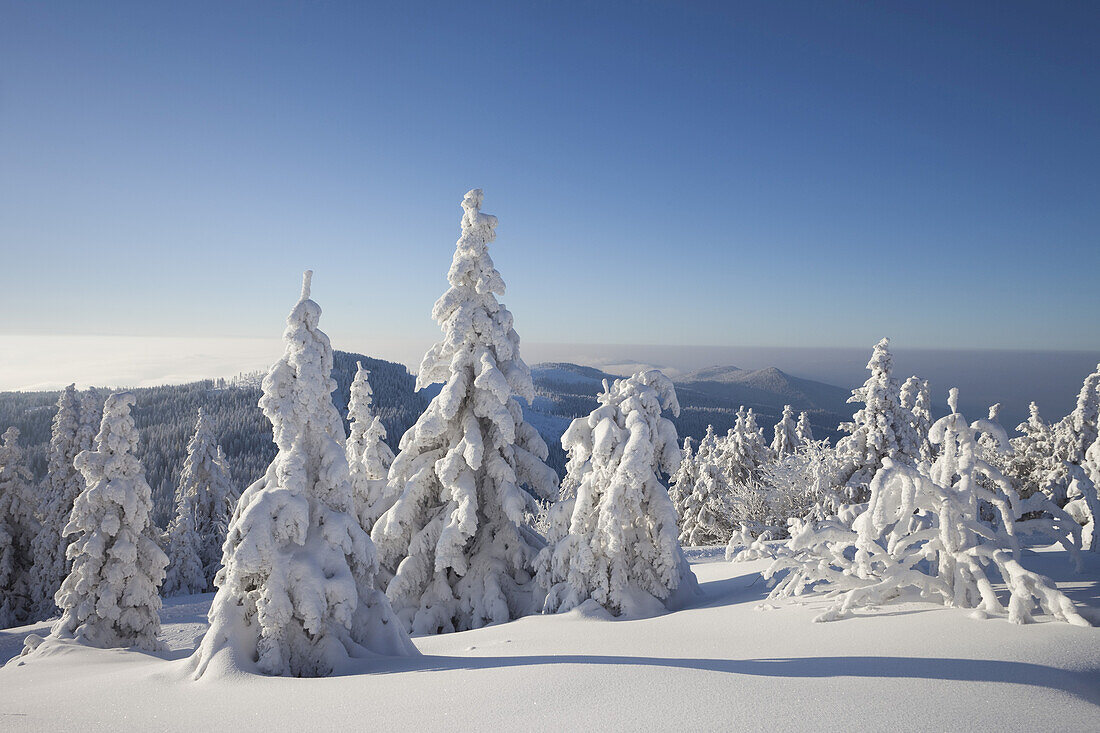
<point x="296" y="594"/>
<point x="456" y="540"/>
<point x="621" y="548"/>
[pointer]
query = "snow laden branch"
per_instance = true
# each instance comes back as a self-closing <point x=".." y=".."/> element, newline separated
<point x="296" y="593"/>
<point x="920" y="532"/>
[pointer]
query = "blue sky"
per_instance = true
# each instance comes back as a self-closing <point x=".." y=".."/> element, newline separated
<point x="768" y="174"/>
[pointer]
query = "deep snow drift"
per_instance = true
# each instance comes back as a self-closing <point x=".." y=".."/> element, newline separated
<point x="721" y="664"/>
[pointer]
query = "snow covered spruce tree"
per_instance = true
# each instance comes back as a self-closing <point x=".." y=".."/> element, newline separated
<point x="917" y="399"/>
<point x="18" y="528"/>
<point x="184" y="575"/>
<point x="682" y="481"/>
<point x="110" y="598"/>
<point x="1032" y="454"/>
<point x="882" y="428"/>
<point x="921" y="532"/>
<point x="456" y="540"/>
<point x="621" y="549"/>
<point x="206" y="495"/>
<point x="62" y="485"/>
<point x="744" y="450"/>
<point x="703" y="507"/>
<point x="1072" y="437"/>
<point x="786" y="435"/>
<point x="296" y="592"/>
<point x="369" y="458"/>
<point x="803" y="431"/>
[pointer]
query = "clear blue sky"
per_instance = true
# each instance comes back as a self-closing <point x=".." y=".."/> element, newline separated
<point x="757" y="173"/>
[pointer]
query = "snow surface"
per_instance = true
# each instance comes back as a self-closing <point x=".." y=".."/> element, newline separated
<point x="720" y="665"/>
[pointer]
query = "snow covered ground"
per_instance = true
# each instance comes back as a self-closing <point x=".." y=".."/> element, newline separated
<point x="720" y="665"/>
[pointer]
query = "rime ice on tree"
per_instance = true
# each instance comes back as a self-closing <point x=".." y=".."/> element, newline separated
<point x="456" y="538"/>
<point x="296" y="594"/>
<point x="703" y="506"/>
<point x="110" y="598"/>
<point x="803" y="431"/>
<point x="622" y="549"/>
<point x="369" y="457"/>
<point x="786" y="434"/>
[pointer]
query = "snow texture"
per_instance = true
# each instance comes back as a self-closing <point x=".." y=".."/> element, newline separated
<point x="455" y="541"/>
<point x="296" y="592"/>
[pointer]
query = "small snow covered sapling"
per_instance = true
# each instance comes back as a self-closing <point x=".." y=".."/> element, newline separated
<point x="456" y="540"/>
<point x="621" y="549"/>
<point x="369" y="457"/>
<point x="296" y="593"/>
<point x="110" y="598"/>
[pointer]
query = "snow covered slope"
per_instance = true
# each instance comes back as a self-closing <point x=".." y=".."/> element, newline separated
<point x="719" y="666"/>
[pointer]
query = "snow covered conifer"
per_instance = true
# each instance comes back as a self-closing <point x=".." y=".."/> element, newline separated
<point x="110" y="598"/>
<point x="205" y="499"/>
<point x="682" y="480"/>
<point x="622" y="549"/>
<point x="1073" y="436"/>
<point x="703" y="507"/>
<point x="62" y="485"/>
<point x="882" y="428"/>
<point x="916" y="398"/>
<point x="18" y="528"/>
<point x="369" y="458"/>
<point x="296" y="593"/>
<point x="1032" y="453"/>
<point x="744" y="450"/>
<point x="786" y="435"/>
<point x="456" y="539"/>
<point x="91" y="414"/>
<point x="803" y="431"/>
<point x="184" y="575"/>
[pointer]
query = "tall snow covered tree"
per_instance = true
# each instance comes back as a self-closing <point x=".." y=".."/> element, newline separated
<point x="206" y="493"/>
<point x="881" y="429"/>
<point x="184" y="575"/>
<point x="110" y="598"/>
<point x="744" y="450"/>
<point x="18" y="528"/>
<point x="62" y="485"/>
<point x="456" y="539"/>
<point x="622" y="549"/>
<point x="803" y="431"/>
<point x="682" y="481"/>
<point x="368" y="455"/>
<point x="296" y="593"/>
<point x="786" y="435"/>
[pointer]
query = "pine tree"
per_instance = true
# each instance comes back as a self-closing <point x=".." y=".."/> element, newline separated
<point x="786" y="435"/>
<point x="368" y="455"/>
<point x="205" y="499"/>
<point x="18" y="528"/>
<point x="62" y="485"/>
<point x="456" y="540"/>
<point x="110" y="599"/>
<point x="296" y="593"/>
<point x="881" y="429"/>
<point x="803" y="431"/>
<point x="1073" y="436"/>
<point x="682" y="482"/>
<point x="621" y="550"/>
<point x="1032" y="454"/>
<point x="744" y="449"/>
<point x="703" y="507"/>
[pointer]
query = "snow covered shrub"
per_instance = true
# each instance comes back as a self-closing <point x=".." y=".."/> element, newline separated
<point x="296" y="592"/>
<point x="18" y="528"/>
<point x="369" y="457"/>
<point x="620" y="548"/>
<point x="882" y="428"/>
<point x="110" y="598"/>
<point x="456" y="539"/>
<point x="920" y="531"/>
